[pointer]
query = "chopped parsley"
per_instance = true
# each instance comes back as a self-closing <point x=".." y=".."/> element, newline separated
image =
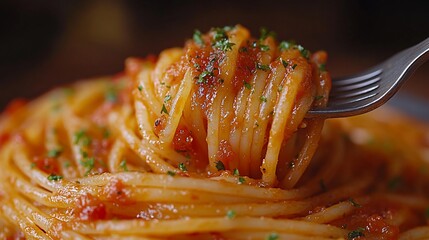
<point x="220" y="165"/>
<point x="111" y="95"/>
<point x="272" y="236"/>
<point x="140" y="88"/>
<point x="53" y="153"/>
<point x="164" y="109"/>
<point x="182" y="167"/>
<point x="285" y="64"/>
<point x="247" y="85"/>
<point x="224" y="45"/>
<point x="280" y="88"/>
<point x="66" y="164"/>
<point x="231" y="214"/>
<point x="304" y="52"/>
<point x="285" y="45"/>
<point x="80" y="137"/>
<point x="262" y="67"/>
<point x="241" y="180"/>
<point x="265" y="33"/>
<point x="263" y="99"/>
<point x="221" y="39"/>
<point x="203" y="75"/>
<point x="54" y="177"/>
<point x="322" y="67"/>
<point x="106" y="133"/>
<point x="317" y="98"/>
<point x="294" y="66"/>
<point x="198" y="38"/>
<point x="354" y="203"/>
<point x="243" y="49"/>
<point x="167" y="98"/>
<point x="123" y="165"/>
<point x="171" y="173"/>
<point x="264" y="48"/>
<point x="395" y="183"/>
<point x="236" y="172"/>
<point x="356" y="233"/>
<point x="87" y="163"/>
<point x="322" y="185"/>
<point x="32" y="165"/>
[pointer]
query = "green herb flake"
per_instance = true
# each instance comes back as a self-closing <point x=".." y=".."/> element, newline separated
<point x="263" y="99"/>
<point x="231" y="214"/>
<point x="182" y="167"/>
<point x="54" y="177"/>
<point x="164" y="109"/>
<point x="87" y="163"/>
<point x="264" y="48"/>
<point x="106" y="133"/>
<point x="272" y="236"/>
<point x="354" y="203"/>
<point x="394" y="183"/>
<point x="171" y="173"/>
<point x="140" y="88"/>
<point x="322" y="67"/>
<point x="236" y="172"/>
<point x="224" y="45"/>
<point x="279" y="88"/>
<point x="241" y="180"/>
<point x="123" y="165"/>
<point x="203" y="75"/>
<point x="265" y="33"/>
<point x="220" y="165"/>
<point x="66" y="164"/>
<point x="167" y="98"/>
<point x="80" y="137"/>
<point x="53" y="153"/>
<point x="111" y="95"/>
<point x="243" y="49"/>
<point x="294" y="66"/>
<point x="317" y="98"/>
<point x="198" y="38"/>
<point x="262" y="67"/>
<point x="322" y="185"/>
<point x="285" y="45"/>
<point x="304" y="52"/>
<point x="285" y="64"/>
<point x="247" y="85"/>
<point x="356" y="233"/>
<point x="32" y="165"/>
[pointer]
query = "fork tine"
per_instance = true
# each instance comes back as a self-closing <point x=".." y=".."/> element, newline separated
<point x="353" y="93"/>
<point x="345" y="101"/>
<point x="355" y="86"/>
<point x="356" y="79"/>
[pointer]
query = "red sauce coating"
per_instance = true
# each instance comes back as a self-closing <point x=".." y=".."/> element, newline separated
<point x="225" y="153"/>
<point x="90" y="208"/>
<point x="15" y="105"/>
<point x="183" y="139"/>
<point x="374" y="218"/>
<point x="4" y="137"/>
<point x="115" y="192"/>
<point x="46" y="164"/>
<point x="247" y="56"/>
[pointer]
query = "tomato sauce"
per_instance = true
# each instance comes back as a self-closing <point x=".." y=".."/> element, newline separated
<point x="46" y="164"/>
<point x="375" y="220"/>
<point x="247" y="57"/>
<point x="90" y="208"/>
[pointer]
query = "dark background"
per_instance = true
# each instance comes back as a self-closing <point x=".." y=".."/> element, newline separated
<point x="49" y="43"/>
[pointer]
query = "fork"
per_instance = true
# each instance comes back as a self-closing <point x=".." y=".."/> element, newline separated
<point x="372" y="88"/>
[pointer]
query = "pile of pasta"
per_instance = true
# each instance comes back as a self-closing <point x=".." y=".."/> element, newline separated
<point x="210" y="141"/>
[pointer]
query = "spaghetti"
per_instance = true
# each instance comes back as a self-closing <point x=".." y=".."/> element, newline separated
<point x="209" y="142"/>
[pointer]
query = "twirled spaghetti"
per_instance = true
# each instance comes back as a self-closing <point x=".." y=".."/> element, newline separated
<point x="209" y="142"/>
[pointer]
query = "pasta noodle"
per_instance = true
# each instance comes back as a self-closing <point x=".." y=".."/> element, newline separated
<point x="210" y="142"/>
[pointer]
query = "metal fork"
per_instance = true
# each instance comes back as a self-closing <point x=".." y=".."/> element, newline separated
<point x="372" y="88"/>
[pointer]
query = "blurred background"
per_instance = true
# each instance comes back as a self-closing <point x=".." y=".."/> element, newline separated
<point x="48" y="43"/>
